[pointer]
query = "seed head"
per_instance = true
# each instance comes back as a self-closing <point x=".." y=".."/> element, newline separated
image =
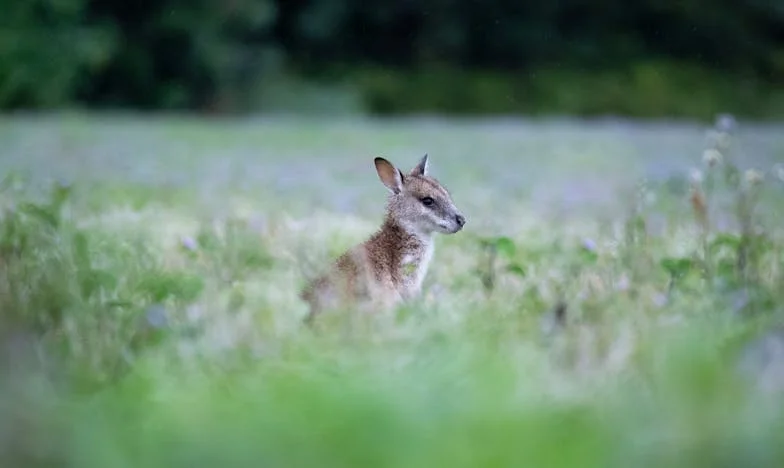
<point x="754" y="177"/>
<point x="699" y="206"/>
<point x="695" y="176"/>
<point x="712" y="157"/>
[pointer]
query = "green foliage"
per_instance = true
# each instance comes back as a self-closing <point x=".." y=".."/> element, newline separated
<point x="459" y="56"/>
<point x="498" y="33"/>
<point x="647" y="89"/>
<point x="734" y="264"/>
<point x="162" y="286"/>
<point x="155" y="55"/>
<point x="499" y="254"/>
<point x="82" y="294"/>
<point x="46" y="49"/>
<point x="358" y="413"/>
<point x="231" y="250"/>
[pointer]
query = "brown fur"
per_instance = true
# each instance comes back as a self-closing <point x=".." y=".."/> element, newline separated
<point x="390" y="266"/>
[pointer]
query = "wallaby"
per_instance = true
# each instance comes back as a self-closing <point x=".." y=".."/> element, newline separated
<point x="390" y="266"/>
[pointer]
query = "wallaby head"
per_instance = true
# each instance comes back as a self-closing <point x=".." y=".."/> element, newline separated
<point x="418" y="202"/>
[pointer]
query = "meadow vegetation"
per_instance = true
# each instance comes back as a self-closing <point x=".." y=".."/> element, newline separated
<point x="615" y="299"/>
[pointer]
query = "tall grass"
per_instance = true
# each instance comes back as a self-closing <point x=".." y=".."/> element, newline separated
<point x="134" y="338"/>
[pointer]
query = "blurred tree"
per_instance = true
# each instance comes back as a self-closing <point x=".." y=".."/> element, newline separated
<point x="46" y="48"/>
<point x="185" y="53"/>
<point x="735" y="34"/>
<point x="218" y="54"/>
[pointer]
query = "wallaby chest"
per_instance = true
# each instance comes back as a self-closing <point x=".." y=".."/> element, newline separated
<point x="400" y="259"/>
<point x="413" y="268"/>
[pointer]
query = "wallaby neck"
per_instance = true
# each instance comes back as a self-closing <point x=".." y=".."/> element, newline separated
<point x="406" y="255"/>
<point x="408" y="236"/>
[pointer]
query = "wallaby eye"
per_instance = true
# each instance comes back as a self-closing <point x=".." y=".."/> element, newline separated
<point x="427" y="201"/>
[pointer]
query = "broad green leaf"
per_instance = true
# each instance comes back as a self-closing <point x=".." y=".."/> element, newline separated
<point x="505" y="246"/>
<point x="517" y="269"/>
<point x="677" y="267"/>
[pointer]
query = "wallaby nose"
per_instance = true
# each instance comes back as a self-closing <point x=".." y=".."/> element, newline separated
<point x="460" y="220"/>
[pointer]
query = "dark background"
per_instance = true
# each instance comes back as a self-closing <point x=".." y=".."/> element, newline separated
<point x="647" y="58"/>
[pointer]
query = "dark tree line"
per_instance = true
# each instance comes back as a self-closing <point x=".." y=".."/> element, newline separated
<point x="191" y="53"/>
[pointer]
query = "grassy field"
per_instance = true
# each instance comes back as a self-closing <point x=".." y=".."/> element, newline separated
<point x="150" y="266"/>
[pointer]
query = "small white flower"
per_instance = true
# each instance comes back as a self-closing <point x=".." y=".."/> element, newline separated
<point x="754" y="177"/>
<point x="695" y="176"/>
<point x="711" y="157"/>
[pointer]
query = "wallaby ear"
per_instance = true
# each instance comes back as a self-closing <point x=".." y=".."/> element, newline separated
<point x="421" y="168"/>
<point x="389" y="175"/>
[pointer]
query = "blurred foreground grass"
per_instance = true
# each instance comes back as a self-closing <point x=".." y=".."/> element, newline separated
<point x="150" y="313"/>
